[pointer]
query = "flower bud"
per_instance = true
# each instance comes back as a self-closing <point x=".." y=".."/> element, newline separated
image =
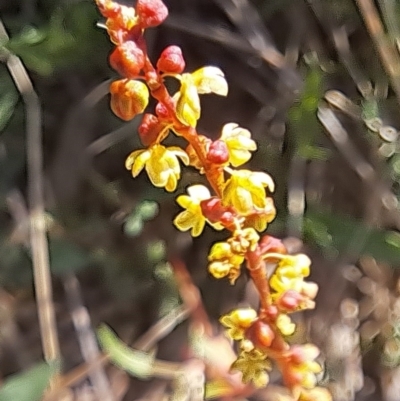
<point x="151" y="12"/>
<point x="128" y="98"/>
<point x="219" y="269"/>
<point x="269" y="244"/>
<point x="289" y="301"/>
<point x="215" y="212"/>
<point x="162" y="112"/>
<point x="149" y="129"/>
<point x="218" y="152"/>
<point x="127" y="59"/>
<point x="260" y="334"/>
<point x="171" y="60"/>
<point x="303" y="353"/>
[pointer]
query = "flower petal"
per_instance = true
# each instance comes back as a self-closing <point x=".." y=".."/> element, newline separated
<point x="264" y="179"/>
<point x="199" y="192"/>
<point x="210" y="80"/>
<point x="140" y="162"/>
<point x="184" y="220"/>
<point x="132" y="157"/>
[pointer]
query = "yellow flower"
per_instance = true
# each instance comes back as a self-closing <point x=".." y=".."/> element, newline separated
<point x="238" y="321"/>
<point x="244" y="240"/>
<point x="203" y="80"/>
<point x="192" y="218"/>
<point x="260" y="218"/>
<point x="303" y="365"/>
<point x="285" y="325"/>
<point x="224" y="262"/>
<point x="245" y="190"/>
<point x="253" y="365"/>
<point x="161" y="164"/>
<point x="293" y="266"/>
<point x="290" y="273"/>
<point x="239" y="143"/>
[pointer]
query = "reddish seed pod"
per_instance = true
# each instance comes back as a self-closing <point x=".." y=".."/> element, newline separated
<point x="272" y="312"/>
<point x="213" y="210"/>
<point x="269" y="244"/>
<point x="260" y="334"/>
<point x="151" y="12"/>
<point x="171" y="60"/>
<point x="289" y="301"/>
<point x="128" y="98"/>
<point x="127" y="59"/>
<point x="162" y="112"/>
<point x="149" y="129"/>
<point x="218" y="152"/>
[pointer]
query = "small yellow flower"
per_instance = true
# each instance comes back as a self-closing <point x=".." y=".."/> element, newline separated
<point x="260" y="218"/>
<point x="239" y="143"/>
<point x="253" y="365"/>
<point x="290" y="273"/>
<point x="245" y="190"/>
<point x="292" y="266"/>
<point x="280" y="284"/>
<point x="238" y="321"/>
<point x="192" y="218"/>
<point x="223" y="251"/>
<point x="161" y="163"/>
<point x="285" y="325"/>
<point x="224" y="262"/>
<point x="244" y="240"/>
<point x="203" y="80"/>
<point x="303" y="364"/>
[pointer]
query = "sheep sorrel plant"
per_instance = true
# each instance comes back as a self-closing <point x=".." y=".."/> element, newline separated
<point x="237" y="200"/>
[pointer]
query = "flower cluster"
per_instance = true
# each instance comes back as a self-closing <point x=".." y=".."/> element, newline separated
<point x="236" y="199"/>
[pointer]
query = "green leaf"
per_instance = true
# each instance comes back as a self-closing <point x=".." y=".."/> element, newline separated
<point x="8" y="101"/>
<point x="336" y="233"/>
<point x="27" y="386"/>
<point x="136" y="363"/>
<point x="303" y="122"/>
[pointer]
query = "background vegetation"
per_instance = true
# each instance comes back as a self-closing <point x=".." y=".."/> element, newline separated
<point x="318" y="84"/>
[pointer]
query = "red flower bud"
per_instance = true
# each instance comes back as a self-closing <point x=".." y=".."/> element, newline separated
<point x="149" y="129"/>
<point x="218" y="152"/>
<point x="171" y="60"/>
<point x="127" y="59"/>
<point x="271" y="312"/>
<point x="162" y="112"/>
<point x="213" y="210"/>
<point x="151" y="12"/>
<point x="128" y="98"/>
<point x="289" y="301"/>
<point x="260" y="334"/>
<point x="269" y="244"/>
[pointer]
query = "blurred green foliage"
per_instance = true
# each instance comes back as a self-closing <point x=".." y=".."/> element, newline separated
<point x="27" y="386"/>
<point x="68" y="38"/>
<point x="137" y="363"/>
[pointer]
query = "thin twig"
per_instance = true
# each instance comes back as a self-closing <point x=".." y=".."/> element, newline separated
<point x="147" y="341"/>
<point x="388" y="54"/>
<point x="38" y="239"/>
<point x="87" y="338"/>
